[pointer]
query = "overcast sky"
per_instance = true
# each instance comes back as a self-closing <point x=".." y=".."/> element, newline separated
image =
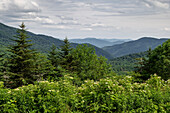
<point x="89" y="18"/>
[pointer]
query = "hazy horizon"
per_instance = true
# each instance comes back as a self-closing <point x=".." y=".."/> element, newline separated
<point x="88" y="37"/>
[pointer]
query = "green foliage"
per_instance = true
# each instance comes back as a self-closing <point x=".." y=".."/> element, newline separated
<point x="41" y="97"/>
<point x="87" y="64"/>
<point x="101" y="52"/>
<point x="158" y="62"/>
<point x="127" y="63"/>
<point x="66" y="48"/>
<point x="53" y="56"/>
<point x="2" y="67"/>
<point x="63" y="55"/>
<point x="87" y="83"/>
<point x="114" y="94"/>
<point x="43" y="66"/>
<point x="21" y="69"/>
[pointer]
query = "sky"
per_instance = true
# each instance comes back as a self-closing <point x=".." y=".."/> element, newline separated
<point x="120" y="19"/>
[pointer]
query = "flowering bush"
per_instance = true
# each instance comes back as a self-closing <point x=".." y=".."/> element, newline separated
<point x="122" y="95"/>
<point x="44" y="96"/>
<point x="114" y="94"/>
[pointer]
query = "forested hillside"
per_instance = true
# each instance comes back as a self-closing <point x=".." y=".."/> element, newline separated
<point x="127" y="63"/>
<point x="136" y="46"/>
<point x="41" y="43"/>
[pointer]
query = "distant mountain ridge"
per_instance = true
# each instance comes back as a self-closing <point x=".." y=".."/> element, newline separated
<point x="136" y="46"/>
<point x="99" y="42"/>
<point x="115" y="40"/>
<point x="42" y="43"/>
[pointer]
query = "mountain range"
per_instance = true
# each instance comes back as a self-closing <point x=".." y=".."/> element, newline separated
<point x="99" y="42"/>
<point x="42" y="43"/>
<point x="136" y="46"/>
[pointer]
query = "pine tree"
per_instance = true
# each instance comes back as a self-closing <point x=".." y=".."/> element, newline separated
<point x="44" y="67"/>
<point x="64" y="58"/>
<point x="22" y="60"/>
<point x="66" y="48"/>
<point x="53" y="56"/>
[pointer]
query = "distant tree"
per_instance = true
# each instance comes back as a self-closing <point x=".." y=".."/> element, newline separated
<point x="158" y="62"/>
<point x="22" y="68"/>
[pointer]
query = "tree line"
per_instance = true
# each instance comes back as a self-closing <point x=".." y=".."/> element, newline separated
<point x="23" y="65"/>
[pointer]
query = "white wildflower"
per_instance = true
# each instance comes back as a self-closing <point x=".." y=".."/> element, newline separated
<point x="16" y="89"/>
<point x="51" y="90"/>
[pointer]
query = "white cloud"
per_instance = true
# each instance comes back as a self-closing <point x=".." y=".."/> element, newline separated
<point x="82" y="4"/>
<point x="44" y="20"/>
<point x="62" y="27"/>
<point x="19" y="5"/>
<point x="167" y="29"/>
<point x="86" y="29"/>
<point x="4" y="5"/>
<point x="72" y="22"/>
<point x="157" y="3"/>
<point x="97" y="25"/>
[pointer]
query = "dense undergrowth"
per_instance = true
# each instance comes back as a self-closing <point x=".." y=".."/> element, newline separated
<point x="113" y="94"/>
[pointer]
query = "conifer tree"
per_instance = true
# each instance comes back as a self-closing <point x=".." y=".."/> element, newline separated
<point x="66" y="48"/>
<point x="64" y="58"/>
<point x="21" y="60"/>
<point x="53" y="56"/>
<point x="44" y="68"/>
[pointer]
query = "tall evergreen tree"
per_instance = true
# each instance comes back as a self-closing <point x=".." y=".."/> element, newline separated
<point x="21" y="60"/>
<point x="44" y="67"/>
<point x="65" y="50"/>
<point x="53" y="56"/>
